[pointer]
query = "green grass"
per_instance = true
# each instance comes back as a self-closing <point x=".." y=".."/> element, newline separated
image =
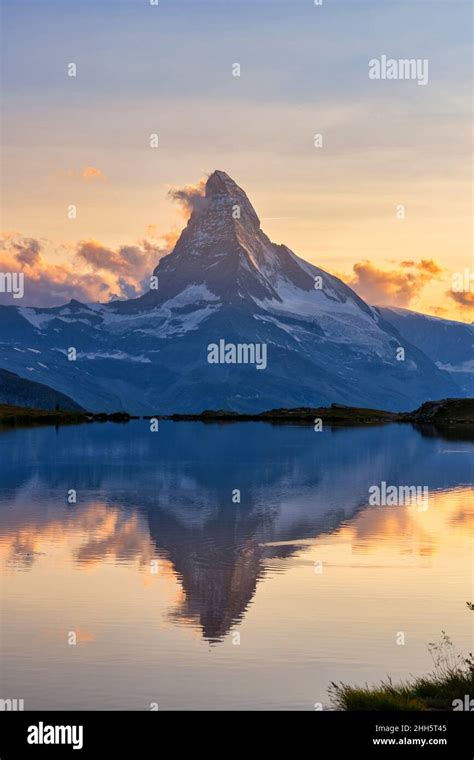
<point x="16" y="415"/>
<point x="12" y="416"/>
<point x="452" y="678"/>
<point x="447" y="411"/>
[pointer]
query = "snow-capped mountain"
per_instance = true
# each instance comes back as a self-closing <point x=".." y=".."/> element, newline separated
<point x="448" y="343"/>
<point x="225" y="293"/>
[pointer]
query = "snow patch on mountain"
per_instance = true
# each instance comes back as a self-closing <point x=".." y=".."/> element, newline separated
<point x="36" y="317"/>
<point x="226" y="280"/>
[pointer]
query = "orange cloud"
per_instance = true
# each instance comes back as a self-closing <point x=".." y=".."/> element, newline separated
<point x="395" y="287"/>
<point x="170" y="238"/>
<point x="167" y="239"/>
<point x="439" y="311"/>
<point x="104" y="533"/>
<point x="190" y="197"/>
<point x="83" y="636"/>
<point x="99" y="257"/>
<point x="130" y="265"/>
<point x="87" y="173"/>
<point x="28" y="251"/>
<point x="464" y="301"/>
<point x="91" y="172"/>
<point x="47" y="284"/>
<point x="92" y="272"/>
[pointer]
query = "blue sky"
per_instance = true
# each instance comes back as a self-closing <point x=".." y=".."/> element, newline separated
<point x="290" y="51"/>
<point x="167" y="69"/>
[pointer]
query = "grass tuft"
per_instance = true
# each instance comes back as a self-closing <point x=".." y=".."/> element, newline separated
<point x="451" y="679"/>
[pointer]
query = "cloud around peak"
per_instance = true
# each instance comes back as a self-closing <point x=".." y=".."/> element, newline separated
<point x="397" y="286"/>
<point x="190" y="198"/>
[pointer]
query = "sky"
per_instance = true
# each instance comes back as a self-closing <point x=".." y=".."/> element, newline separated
<point x="385" y="202"/>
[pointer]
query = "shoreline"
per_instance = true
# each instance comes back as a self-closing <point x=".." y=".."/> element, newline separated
<point x="443" y="413"/>
<point x="18" y="416"/>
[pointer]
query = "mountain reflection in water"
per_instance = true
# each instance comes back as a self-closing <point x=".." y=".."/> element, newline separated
<point x="158" y="506"/>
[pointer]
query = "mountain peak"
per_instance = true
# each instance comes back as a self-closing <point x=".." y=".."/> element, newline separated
<point x="225" y="283"/>
<point x="225" y="197"/>
<point x="219" y="182"/>
<point x="224" y="248"/>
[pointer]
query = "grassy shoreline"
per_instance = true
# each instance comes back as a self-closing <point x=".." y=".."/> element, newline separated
<point x="17" y="416"/>
<point x="445" y="413"/>
<point x="446" y="688"/>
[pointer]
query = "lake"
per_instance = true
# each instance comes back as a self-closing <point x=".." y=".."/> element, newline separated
<point x="238" y="566"/>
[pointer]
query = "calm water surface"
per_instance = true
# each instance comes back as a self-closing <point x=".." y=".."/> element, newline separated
<point x="181" y="597"/>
